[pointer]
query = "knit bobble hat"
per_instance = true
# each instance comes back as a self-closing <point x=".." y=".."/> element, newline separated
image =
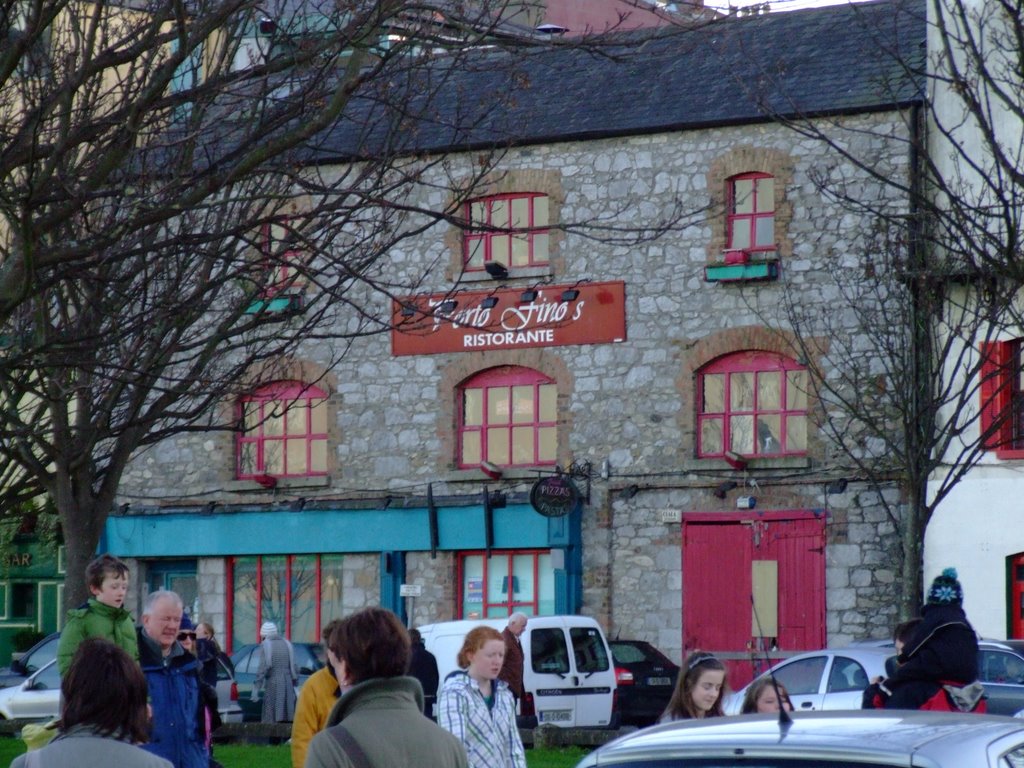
<point x="269" y="629"/>
<point x="186" y="623"/>
<point x="946" y="590"/>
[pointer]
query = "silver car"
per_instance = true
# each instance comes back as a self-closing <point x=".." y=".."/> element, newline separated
<point x="834" y="678"/>
<point x="861" y="739"/>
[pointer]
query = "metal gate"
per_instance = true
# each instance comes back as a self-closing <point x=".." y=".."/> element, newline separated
<point x="753" y="587"/>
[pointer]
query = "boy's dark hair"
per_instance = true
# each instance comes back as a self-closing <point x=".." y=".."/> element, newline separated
<point x="373" y="643"/>
<point x="905" y="630"/>
<point x="104" y="688"/>
<point x="103" y="566"/>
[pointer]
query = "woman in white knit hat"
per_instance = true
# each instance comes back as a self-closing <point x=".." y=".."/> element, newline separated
<point x="276" y="677"/>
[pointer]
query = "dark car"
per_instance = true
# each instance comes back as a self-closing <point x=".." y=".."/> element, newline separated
<point x="309" y="657"/>
<point x="645" y="677"/>
<point x="30" y="662"/>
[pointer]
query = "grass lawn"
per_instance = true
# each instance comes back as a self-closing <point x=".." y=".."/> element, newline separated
<point x="246" y="756"/>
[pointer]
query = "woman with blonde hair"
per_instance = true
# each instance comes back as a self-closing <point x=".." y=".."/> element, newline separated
<point x="478" y="707"/>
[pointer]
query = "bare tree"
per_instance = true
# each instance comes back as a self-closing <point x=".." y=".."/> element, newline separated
<point x="936" y="282"/>
<point x="191" y="193"/>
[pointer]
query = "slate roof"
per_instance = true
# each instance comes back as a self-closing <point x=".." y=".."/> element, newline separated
<point x="831" y="60"/>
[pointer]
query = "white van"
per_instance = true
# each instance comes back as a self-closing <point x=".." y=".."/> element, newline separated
<point x="568" y="674"/>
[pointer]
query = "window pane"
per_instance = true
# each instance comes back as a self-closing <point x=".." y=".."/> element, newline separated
<point x="547" y="445"/>
<point x="714" y="393"/>
<point x="497" y="446"/>
<point x="540" y="211"/>
<point x="274" y="423"/>
<point x="498" y="583"/>
<point x="769" y="384"/>
<point x="766" y="194"/>
<point x="768" y="434"/>
<point x="522" y="572"/>
<point x="548" y="402"/>
<point x="475" y="253"/>
<point x="741" y="434"/>
<point x="548" y="653"/>
<point x="540" y="248"/>
<point x="522" y="404"/>
<point x="796" y="433"/>
<point x="739" y="237"/>
<point x="272" y="596"/>
<point x="295" y="461"/>
<point x="522" y="445"/>
<point x="478" y="213"/>
<point x="741" y="392"/>
<point x="251" y="416"/>
<point x="520" y="213"/>
<point x="243" y="613"/>
<point x="473" y="407"/>
<point x="499" y="214"/>
<point x="318" y="417"/>
<point x="520" y="250"/>
<point x="711" y="436"/>
<point x="743" y="196"/>
<point x="471" y="447"/>
<point x="546" y="591"/>
<point x="304" y="599"/>
<point x="295" y="418"/>
<point x="331" y="583"/>
<point x="499" y="248"/>
<point x="318" y="456"/>
<point x="764" y="230"/>
<point x="247" y="459"/>
<point x="796" y="390"/>
<point x="472" y="587"/>
<point x="273" y="457"/>
<point x="498" y="405"/>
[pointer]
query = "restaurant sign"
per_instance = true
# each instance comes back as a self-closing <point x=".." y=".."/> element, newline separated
<point x="510" y="318"/>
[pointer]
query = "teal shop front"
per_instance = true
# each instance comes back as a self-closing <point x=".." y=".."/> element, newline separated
<point x="291" y="564"/>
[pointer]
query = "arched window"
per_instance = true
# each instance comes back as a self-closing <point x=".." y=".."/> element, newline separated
<point x="284" y="431"/>
<point x="750" y="220"/>
<point x="752" y="403"/>
<point x="509" y="229"/>
<point x="507" y="416"/>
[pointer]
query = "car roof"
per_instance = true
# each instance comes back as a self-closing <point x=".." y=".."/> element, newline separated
<point x="867" y="734"/>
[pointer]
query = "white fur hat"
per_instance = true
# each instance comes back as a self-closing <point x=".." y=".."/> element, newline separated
<point x="269" y="629"/>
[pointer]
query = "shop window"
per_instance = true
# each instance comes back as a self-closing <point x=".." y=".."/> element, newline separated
<point x="753" y="404"/>
<point x="511" y="230"/>
<point x="299" y="593"/>
<point x="750" y="217"/>
<point x="1002" y="399"/>
<point x="505" y="582"/>
<point x="508" y="416"/>
<point x="284" y="432"/>
<point x="23" y="601"/>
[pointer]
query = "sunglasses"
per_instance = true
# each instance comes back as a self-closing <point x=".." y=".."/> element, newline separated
<point x="186" y="636"/>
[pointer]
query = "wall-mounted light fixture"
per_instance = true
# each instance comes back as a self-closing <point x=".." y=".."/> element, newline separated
<point x="124" y="508"/>
<point x="735" y="460"/>
<point x="299" y="504"/>
<point x="208" y="508"/>
<point x="629" y="491"/>
<point x="492" y="470"/>
<point x="837" y="486"/>
<point x="490" y="301"/>
<point x="447" y="307"/>
<point x="724" y="488"/>
<point x="570" y="294"/>
<point x="528" y="295"/>
<point x="496" y="269"/>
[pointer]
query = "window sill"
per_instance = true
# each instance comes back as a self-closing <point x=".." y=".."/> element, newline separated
<point x="514" y="273"/>
<point x="759" y="462"/>
<point x="749" y="272"/>
<point x="318" y="481"/>
<point x="507" y="473"/>
<point x="1009" y="454"/>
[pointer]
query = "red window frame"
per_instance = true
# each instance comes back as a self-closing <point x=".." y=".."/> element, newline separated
<point x="486" y="236"/>
<point x="283" y="261"/>
<point x="275" y="396"/>
<point x="506" y="605"/>
<point x="503" y="378"/>
<point x="745" y="362"/>
<point x="1002" y="398"/>
<point x="762" y="209"/>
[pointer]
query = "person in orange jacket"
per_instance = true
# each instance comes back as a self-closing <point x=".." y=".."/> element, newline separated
<point x="317" y="698"/>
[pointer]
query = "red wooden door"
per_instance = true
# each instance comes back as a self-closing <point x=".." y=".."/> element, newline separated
<point x="1017" y="596"/>
<point x="721" y="555"/>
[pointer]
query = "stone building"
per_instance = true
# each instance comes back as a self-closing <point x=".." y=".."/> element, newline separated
<point x="658" y="376"/>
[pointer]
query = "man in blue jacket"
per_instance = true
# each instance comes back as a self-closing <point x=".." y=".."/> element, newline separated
<point x="177" y="731"/>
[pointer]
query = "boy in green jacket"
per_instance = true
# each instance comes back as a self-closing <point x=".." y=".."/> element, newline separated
<point x="103" y="615"/>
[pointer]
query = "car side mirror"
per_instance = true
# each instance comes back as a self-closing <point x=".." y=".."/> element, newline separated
<point x="19" y="666"/>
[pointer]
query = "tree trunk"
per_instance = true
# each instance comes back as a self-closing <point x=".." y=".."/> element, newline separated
<point x="82" y="524"/>
<point x="912" y="541"/>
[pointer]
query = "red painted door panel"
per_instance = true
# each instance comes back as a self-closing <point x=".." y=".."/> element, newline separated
<point x="718" y="552"/>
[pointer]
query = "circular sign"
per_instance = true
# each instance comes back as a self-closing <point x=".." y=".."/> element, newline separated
<point x="554" y="496"/>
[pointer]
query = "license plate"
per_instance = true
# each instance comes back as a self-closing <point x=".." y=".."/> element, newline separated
<point x="659" y="681"/>
<point x="555" y="715"/>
